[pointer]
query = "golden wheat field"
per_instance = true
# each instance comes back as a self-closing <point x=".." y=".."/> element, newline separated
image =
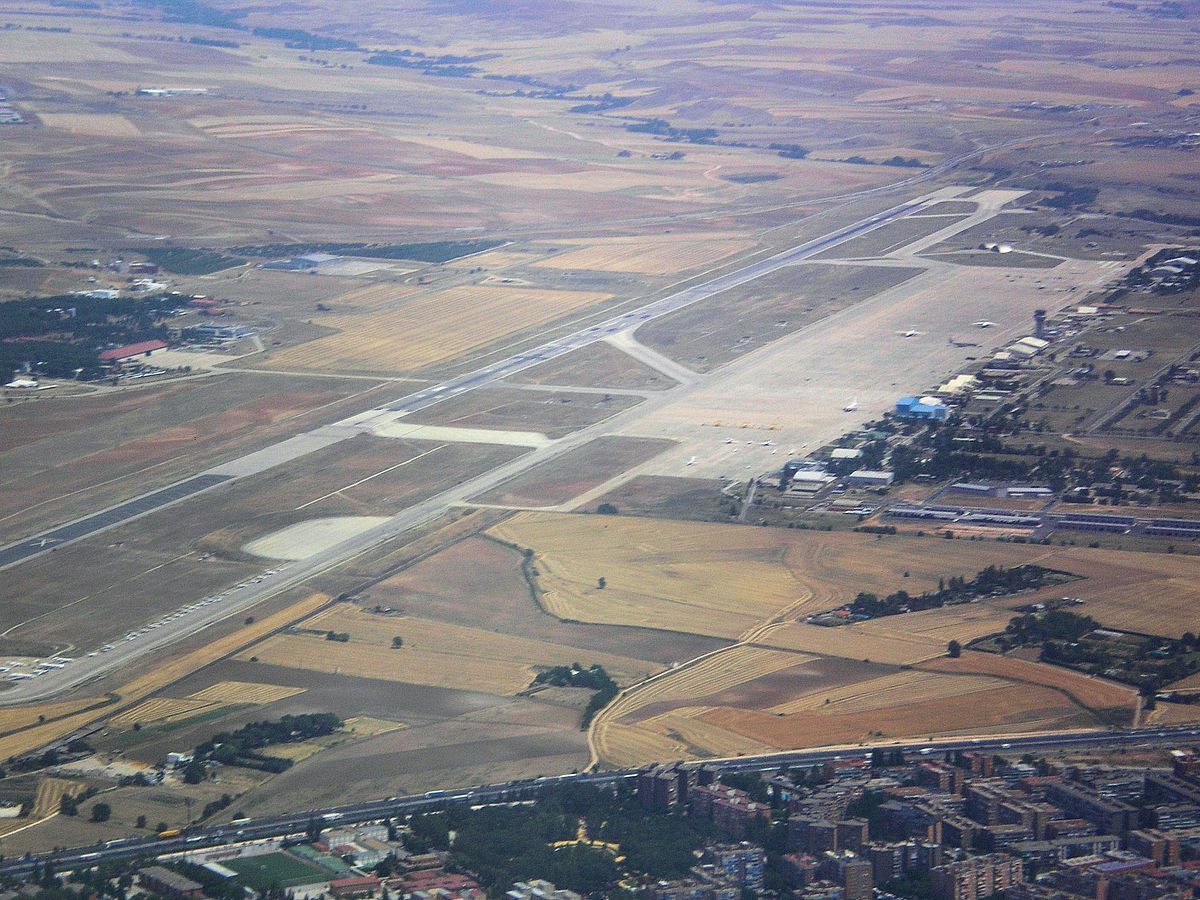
<point x="431" y="328"/>
<point x="163" y="709"/>
<point x="702" y="739"/>
<point x="893" y="689"/>
<point x="1022" y="708"/>
<point x="49" y="792"/>
<point x="16" y="717"/>
<point x="650" y="255"/>
<point x="1094" y="693"/>
<point x="432" y="653"/>
<point x="726" y="580"/>
<point x="97" y="124"/>
<point x="812" y="704"/>
<point x="710" y="675"/>
<point x="468" y="642"/>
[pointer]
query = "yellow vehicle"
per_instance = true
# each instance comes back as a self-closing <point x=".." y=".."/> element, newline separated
<point x="170" y="833"/>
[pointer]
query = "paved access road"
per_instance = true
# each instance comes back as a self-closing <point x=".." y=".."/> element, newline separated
<point x="298" y="823"/>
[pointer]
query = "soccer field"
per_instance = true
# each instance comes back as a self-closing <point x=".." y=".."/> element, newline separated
<point x="282" y="869"/>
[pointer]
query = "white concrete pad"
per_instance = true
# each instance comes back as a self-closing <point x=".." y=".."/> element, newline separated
<point x="284" y="451"/>
<point x="412" y="431"/>
<point x="305" y="539"/>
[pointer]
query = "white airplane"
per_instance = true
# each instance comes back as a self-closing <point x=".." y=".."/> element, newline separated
<point x="851" y="406"/>
<point x="984" y="323"/>
<point x="692" y="461"/>
<point x="909" y="333"/>
<point x="728" y="440"/>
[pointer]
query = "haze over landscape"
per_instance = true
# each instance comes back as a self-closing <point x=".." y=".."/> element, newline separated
<point x="415" y="408"/>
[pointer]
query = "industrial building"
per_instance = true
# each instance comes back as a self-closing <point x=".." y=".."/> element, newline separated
<point x="869" y="478"/>
<point x="132" y="352"/>
<point x="810" y="481"/>
<point x="926" y="408"/>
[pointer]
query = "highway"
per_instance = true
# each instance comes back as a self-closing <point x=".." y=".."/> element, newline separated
<point x="247" y="595"/>
<point x="373" y="810"/>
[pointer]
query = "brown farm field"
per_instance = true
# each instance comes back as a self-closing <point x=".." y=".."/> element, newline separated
<point x="434" y="653"/>
<point x="413" y="334"/>
<point x="649" y="255"/>
<point x="720" y="580"/>
<point x="787" y="684"/>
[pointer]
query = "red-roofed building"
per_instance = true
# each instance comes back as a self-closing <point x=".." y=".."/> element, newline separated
<point x="129" y="352"/>
<point x="430" y="881"/>
<point x="364" y="886"/>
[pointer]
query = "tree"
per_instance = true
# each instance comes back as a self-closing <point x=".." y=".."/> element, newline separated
<point x="397" y="642"/>
<point x="141" y="822"/>
<point x="601" y="582"/>
<point x="954" y="649"/>
<point x="193" y="772"/>
<point x="101" y="812"/>
<point x="68" y="806"/>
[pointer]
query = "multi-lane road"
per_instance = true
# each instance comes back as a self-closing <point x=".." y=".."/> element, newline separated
<point x="84" y="667"/>
<point x="299" y="823"/>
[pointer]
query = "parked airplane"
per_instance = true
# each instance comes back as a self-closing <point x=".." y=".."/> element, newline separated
<point x="983" y="324"/>
<point x="692" y="461"/>
<point x="851" y="406"/>
<point x="909" y="333"/>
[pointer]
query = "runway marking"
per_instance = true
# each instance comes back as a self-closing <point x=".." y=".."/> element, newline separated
<point x="369" y="477"/>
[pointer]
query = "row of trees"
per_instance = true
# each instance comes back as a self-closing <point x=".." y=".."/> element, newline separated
<point x="240" y="748"/>
<point x="992" y="581"/>
<point x="594" y="677"/>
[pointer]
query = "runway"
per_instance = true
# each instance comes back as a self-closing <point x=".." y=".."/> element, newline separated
<point x="245" y="596"/>
<point x="48" y="541"/>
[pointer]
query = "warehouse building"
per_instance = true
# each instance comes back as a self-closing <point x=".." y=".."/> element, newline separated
<point x="930" y="408"/>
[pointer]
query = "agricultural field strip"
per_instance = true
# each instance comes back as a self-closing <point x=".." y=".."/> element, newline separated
<point x="433" y="652"/>
<point x="922" y="636"/>
<point x="294" y="574"/>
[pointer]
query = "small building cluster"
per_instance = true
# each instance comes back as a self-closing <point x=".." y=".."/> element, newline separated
<point x="968" y="827"/>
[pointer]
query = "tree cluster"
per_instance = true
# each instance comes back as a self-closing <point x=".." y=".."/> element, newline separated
<point x="992" y="581"/>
